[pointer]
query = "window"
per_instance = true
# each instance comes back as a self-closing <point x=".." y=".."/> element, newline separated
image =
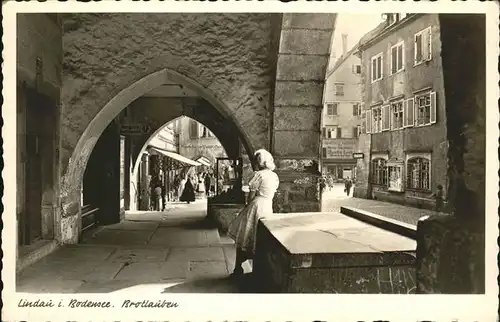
<point x="339" y="89"/>
<point x="376" y="119"/>
<point x="425" y="109"/>
<point x="356" y="69"/>
<point x="339" y="133"/>
<point x="377" y="68"/>
<point x="397" y="58"/>
<point x="395" y="172"/>
<point x="418" y="171"/>
<point x="356" y="131"/>
<point x="397" y="115"/>
<point x="408" y="113"/>
<point x="359" y="129"/>
<point x="379" y="171"/>
<point x="324" y="152"/>
<point x="423" y="46"/>
<point x="193" y="129"/>
<point x="356" y="109"/>
<point x="330" y="132"/>
<point x="331" y="109"/>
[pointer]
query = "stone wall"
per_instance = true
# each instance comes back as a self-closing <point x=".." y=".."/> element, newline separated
<point x="39" y="55"/>
<point x="223" y="57"/>
<point x="451" y="249"/>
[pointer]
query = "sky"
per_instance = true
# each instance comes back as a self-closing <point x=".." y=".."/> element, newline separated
<point x="355" y="26"/>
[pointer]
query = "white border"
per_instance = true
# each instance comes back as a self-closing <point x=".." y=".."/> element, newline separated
<point x="205" y="307"/>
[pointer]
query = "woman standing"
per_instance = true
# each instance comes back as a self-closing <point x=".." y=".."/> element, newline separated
<point x="188" y="192"/>
<point x="243" y="228"/>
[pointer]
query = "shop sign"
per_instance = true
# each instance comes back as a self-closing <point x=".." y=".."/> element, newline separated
<point x="340" y="149"/>
<point x="358" y="155"/>
<point x="135" y="129"/>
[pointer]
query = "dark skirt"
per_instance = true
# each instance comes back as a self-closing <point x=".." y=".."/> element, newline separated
<point x="188" y="192"/>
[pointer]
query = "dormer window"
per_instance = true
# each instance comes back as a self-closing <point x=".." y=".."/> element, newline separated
<point x="393" y="18"/>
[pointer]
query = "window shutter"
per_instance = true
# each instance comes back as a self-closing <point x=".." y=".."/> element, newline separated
<point x="411" y="112"/>
<point x="368" y="121"/>
<point x="324" y="152"/>
<point x="401" y="56"/>
<point x="339" y="132"/>
<point x="429" y="43"/>
<point x="433" y="107"/>
<point x="405" y="113"/>
<point x="355" y="132"/>
<point x="393" y="59"/>
<point x="381" y="67"/>
<point x="374" y="69"/>
<point x="385" y="117"/>
<point x="324" y="132"/>
<point x="354" y="109"/>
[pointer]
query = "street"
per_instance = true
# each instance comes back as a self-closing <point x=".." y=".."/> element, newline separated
<point x="151" y="252"/>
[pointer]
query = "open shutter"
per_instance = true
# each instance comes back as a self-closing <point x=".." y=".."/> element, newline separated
<point x="433" y="107"/>
<point x="386" y="113"/>
<point x="324" y="132"/>
<point x="339" y="133"/>
<point x="411" y="101"/>
<point x="324" y="152"/>
<point x="368" y="121"/>
<point x="405" y="113"/>
<point x="355" y="109"/>
<point x="355" y="132"/>
<point x="428" y="43"/>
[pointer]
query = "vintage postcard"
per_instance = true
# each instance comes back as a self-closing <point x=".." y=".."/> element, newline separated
<point x="250" y="161"/>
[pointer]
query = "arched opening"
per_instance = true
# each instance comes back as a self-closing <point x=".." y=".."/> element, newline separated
<point x="178" y="148"/>
<point x="126" y="123"/>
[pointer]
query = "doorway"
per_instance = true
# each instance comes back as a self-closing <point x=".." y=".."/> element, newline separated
<point x="39" y="142"/>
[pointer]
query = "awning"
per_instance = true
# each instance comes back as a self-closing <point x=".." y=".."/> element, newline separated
<point x="177" y="157"/>
<point x="204" y="161"/>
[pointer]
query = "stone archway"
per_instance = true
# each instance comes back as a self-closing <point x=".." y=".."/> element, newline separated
<point x="73" y="176"/>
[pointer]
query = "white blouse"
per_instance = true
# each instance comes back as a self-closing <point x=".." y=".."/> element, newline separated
<point x="264" y="183"/>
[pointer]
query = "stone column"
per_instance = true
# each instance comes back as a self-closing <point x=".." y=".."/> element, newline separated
<point x="302" y="60"/>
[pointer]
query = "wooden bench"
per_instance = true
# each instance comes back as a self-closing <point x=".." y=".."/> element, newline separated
<point x="89" y="219"/>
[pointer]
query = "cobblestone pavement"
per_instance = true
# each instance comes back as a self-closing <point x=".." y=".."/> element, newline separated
<point x="154" y="252"/>
<point x="336" y="198"/>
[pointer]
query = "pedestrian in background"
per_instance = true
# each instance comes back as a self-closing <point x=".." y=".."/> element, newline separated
<point x="188" y="192"/>
<point x="438" y="196"/>
<point x="348" y="185"/>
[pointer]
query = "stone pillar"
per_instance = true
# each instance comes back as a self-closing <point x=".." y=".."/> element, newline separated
<point x="298" y="100"/>
<point x="127" y="171"/>
<point x="362" y="187"/>
<point x="450" y="248"/>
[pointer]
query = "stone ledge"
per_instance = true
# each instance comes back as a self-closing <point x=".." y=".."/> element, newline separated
<point x="222" y="215"/>
<point x="34" y="253"/>
<point x="331" y="253"/>
<point x="385" y="223"/>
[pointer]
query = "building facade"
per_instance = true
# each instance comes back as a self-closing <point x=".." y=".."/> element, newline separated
<point x="197" y="141"/>
<point x="341" y="121"/>
<point x="404" y="136"/>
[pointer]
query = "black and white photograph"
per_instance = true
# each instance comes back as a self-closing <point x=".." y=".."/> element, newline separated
<point x="148" y="155"/>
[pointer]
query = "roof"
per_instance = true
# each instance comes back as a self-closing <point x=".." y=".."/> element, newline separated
<point x="383" y="28"/>
<point x="342" y="59"/>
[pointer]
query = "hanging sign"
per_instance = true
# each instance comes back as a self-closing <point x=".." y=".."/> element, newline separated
<point x="358" y="155"/>
<point x="135" y="129"/>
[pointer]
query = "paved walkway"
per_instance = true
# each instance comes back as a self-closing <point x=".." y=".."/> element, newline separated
<point x="333" y="200"/>
<point x="155" y="252"/>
